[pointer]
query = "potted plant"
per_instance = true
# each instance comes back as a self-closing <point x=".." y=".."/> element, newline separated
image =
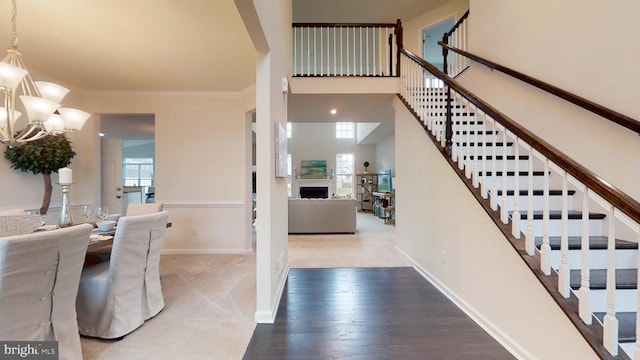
<point x="42" y="156"/>
<point x="366" y="165"/>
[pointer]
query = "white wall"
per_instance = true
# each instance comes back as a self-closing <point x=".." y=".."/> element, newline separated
<point x="386" y="154"/>
<point x="269" y="26"/>
<point x="317" y="141"/>
<point x="200" y="153"/>
<point x="588" y="48"/>
<point x="452" y="240"/>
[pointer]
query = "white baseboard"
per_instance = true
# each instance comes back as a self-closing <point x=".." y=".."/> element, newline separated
<point x="206" y="251"/>
<point x="505" y="340"/>
<point x="269" y="317"/>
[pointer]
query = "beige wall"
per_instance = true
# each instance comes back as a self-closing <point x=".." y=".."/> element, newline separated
<point x="200" y="161"/>
<point x="269" y="25"/>
<point x="442" y="228"/>
<point x="584" y="47"/>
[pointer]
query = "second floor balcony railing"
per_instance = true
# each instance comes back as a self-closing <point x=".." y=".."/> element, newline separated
<point x="346" y="49"/>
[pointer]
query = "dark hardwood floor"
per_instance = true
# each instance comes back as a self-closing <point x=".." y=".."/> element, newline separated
<point x="369" y="313"/>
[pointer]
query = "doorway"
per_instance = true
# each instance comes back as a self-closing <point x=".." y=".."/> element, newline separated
<point x="127" y="160"/>
<point x="431" y="51"/>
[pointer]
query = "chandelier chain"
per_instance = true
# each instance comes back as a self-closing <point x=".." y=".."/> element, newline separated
<point x="14" y="32"/>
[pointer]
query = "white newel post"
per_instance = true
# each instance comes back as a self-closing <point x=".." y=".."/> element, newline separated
<point x="585" y="277"/>
<point x="610" y="335"/>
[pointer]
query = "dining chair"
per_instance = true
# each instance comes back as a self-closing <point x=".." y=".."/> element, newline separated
<point x="153" y="303"/>
<point x="39" y="277"/>
<point x="112" y="297"/>
<point x="143" y="208"/>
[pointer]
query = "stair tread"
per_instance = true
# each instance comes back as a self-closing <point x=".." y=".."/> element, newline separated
<point x="500" y="157"/>
<point x="625" y="279"/>
<point x="536" y="192"/>
<point x="595" y="243"/>
<point x="626" y="325"/>
<point x="512" y="173"/>
<point x="497" y="143"/>
<point x="557" y="214"/>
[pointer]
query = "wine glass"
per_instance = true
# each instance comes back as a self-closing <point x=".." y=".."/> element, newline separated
<point x="87" y="211"/>
<point x="102" y="213"/>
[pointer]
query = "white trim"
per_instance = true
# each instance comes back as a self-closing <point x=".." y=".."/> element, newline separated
<point x="269" y="317"/>
<point x="203" y="204"/>
<point x="505" y="340"/>
<point x="206" y="251"/>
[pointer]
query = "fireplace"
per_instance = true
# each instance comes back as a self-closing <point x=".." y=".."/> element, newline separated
<point x="314" y="192"/>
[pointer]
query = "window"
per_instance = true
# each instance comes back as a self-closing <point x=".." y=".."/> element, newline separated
<point x="289" y="177"/>
<point x="344" y="130"/>
<point x="137" y="171"/>
<point x="344" y="174"/>
<point x="289" y="130"/>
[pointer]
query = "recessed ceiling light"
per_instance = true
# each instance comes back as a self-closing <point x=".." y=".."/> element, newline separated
<point x="101" y="134"/>
<point x="333" y="111"/>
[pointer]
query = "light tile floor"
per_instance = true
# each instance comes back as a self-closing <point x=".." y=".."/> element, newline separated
<point x="210" y="299"/>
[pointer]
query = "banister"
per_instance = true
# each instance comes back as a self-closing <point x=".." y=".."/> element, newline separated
<point x="618" y="118"/>
<point x="609" y="192"/>
<point x="301" y="24"/>
<point x="457" y="25"/>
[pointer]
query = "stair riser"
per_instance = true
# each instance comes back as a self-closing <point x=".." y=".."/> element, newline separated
<point x="626" y="300"/>
<point x="523" y="165"/>
<point x="523" y="182"/>
<point x="555" y="203"/>
<point x="625" y="259"/>
<point x="574" y="227"/>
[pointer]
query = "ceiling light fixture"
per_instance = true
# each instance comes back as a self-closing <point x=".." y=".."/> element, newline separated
<point x="40" y="100"/>
<point x="333" y="111"/>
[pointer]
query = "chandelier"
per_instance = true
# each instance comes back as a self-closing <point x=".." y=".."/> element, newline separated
<point x="40" y="100"/>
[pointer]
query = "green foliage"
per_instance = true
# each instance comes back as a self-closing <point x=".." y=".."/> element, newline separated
<point x="43" y="156"/>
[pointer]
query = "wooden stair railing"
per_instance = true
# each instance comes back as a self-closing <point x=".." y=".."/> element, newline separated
<point x="457" y="35"/>
<point x="618" y="118"/>
<point x="346" y="49"/>
<point x="470" y="152"/>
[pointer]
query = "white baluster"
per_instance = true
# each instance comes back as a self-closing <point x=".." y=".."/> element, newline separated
<point x="504" y="214"/>
<point x="367" y="49"/>
<point x="463" y="150"/>
<point x="467" y="153"/>
<point x="494" y="191"/>
<point x="341" y="52"/>
<point x="360" y="48"/>
<point x="585" y="278"/>
<point x="563" y="273"/>
<point x="484" y="189"/>
<point x="515" y="216"/>
<point x="610" y="331"/>
<point x="308" y="50"/>
<point x="479" y="142"/>
<point x="321" y="46"/>
<point x="295" y="52"/>
<point x="530" y="242"/>
<point x="545" y="249"/>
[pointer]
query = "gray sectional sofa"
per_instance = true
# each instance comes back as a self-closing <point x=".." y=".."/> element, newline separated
<point x="322" y="216"/>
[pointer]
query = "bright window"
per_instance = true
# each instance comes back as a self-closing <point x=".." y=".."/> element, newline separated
<point x="137" y="171"/>
<point x="344" y="174"/>
<point x="289" y="130"/>
<point x="344" y="130"/>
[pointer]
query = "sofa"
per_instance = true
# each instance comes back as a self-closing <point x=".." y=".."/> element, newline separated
<point x="322" y="216"/>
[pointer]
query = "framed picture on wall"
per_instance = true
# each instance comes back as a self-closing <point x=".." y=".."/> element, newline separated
<point x="281" y="149"/>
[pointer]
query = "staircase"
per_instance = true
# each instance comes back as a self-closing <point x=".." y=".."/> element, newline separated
<point x="530" y="195"/>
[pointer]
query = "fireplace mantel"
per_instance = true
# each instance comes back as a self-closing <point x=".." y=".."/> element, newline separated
<point x="297" y="183"/>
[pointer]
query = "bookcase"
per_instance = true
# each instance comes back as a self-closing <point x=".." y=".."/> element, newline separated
<point x="366" y="185"/>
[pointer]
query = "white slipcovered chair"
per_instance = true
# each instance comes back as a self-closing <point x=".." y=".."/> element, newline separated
<point x="143" y="208"/>
<point x="39" y="276"/>
<point x="116" y="297"/>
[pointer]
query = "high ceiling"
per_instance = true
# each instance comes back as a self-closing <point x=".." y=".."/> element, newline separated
<point x="161" y="45"/>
